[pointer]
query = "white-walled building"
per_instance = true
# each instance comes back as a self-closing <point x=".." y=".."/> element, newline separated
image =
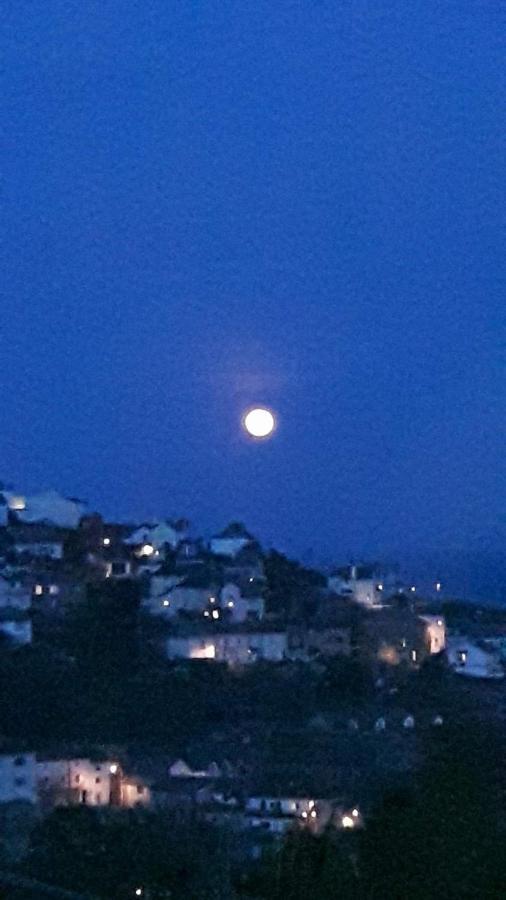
<point x="49" y="508"/>
<point x="156" y="535"/>
<point x="230" y="647"/>
<point x="435" y="633"/>
<point x="75" y="781"/>
<point x="17" y="778"/>
<point x="170" y="595"/>
<point x="467" y="658"/>
<point x="361" y="584"/>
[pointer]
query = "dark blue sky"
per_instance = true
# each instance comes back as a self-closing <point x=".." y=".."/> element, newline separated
<point x="207" y="204"/>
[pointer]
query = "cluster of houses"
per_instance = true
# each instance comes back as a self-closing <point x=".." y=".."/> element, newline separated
<point x="208" y="603"/>
<point x="216" y="793"/>
<point x="209" y="597"/>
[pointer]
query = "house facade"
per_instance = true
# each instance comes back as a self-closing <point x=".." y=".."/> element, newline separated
<point x="18" y="778"/>
<point x="234" y="648"/>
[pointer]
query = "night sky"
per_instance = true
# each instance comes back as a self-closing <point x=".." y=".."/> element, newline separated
<point x="211" y="204"/>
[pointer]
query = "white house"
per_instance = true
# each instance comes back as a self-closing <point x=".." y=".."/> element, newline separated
<point x="49" y="508"/>
<point x="435" y="633"/>
<point x="230" y="647"/>
<point x="156" y="535"/>
<point x="17" y="778"/>
<point x="69" y="781"/>
<point x="360" y="583"/>
<point x="238" y="607"/>
<point x="467" y="658"/>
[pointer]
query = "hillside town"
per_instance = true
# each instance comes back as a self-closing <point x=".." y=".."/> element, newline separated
<point x="213" y="683"/>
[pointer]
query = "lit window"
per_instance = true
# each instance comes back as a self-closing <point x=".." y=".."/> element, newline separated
<point x="147" y="550"/>
<point x="304" y="814"/>
<point x="17" y="504"/>
<point x="380" y="587"/>
<point x="106" y="542"/>
<point x="54" y="589"/>
<point x="113" y="768"/>
<point x="216" y="614"/>
<point x="347" y="822"/>
<point x="313" y="813"/>
<point x="440" y="623"/>
<point x="230" y="604"/>
<point x="438" y="585"/>
<point x="355" y="813"/>
<point x="412" y="588"/>
<point x="462" y="657"/>
<point x="206" y="613"/>
<point x="413" y="655"/>
<point x="212" y="599"/>
<point x="39" y="590"/>
<point x="166" y="603"/>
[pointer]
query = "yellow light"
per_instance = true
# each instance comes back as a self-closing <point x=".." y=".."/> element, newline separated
<point x="210" y="651"/>
<point x="347" y="822"/>
<point x="147" y="550"/>
<point x="313" y="813"/>
<point x="106" y="542"/>
<point x="311" y="804"/>
<point x="259" y="422"/>
<point x="304" y="815"/>
<point x="354" y="813"/>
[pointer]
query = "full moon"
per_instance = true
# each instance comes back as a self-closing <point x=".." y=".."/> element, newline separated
<point x="259" y="422"/>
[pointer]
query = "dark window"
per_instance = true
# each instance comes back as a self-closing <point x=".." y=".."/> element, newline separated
<point x="77" y="779"/>
<point x="19" y="782"/>
<point x="97" y="780"/>
<point x="19" y="761"/>
<point x="140" y="789"/>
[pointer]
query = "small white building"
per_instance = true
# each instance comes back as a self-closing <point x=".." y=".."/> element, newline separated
<point x="75" y="781"/>
<point x="17" y="778"/>
<point x="234" y="648"/>
<point x="360" y="584"/>
<point x="49" y="508"/>
<point x="156" y="535"/>
<point x="435" y="633"/>
<point x="467" y="658"/>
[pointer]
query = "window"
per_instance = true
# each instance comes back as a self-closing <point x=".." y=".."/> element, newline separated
<point x="140" y="789"/>
<point x="77" y="779"/>
<point x="19" y="761"/>
<point x="98" y="768"/>
<point x="54" y="589"/>
<point x="19" y="782"/>
<point x="98" y="798"/>
<point x="38" y="590"/>
<point x="97" y="780"/>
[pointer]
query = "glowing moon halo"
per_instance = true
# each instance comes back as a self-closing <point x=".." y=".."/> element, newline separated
<point x="259" y="422"/>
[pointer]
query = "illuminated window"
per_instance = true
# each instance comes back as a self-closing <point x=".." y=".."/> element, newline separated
<point x="54" y="589"/>
<point x="347" y="822"/>
<point x="17" y="504"/>
<point x="39" y="590"/>
<point x="230" y="604"/>
<point x="106" y="542"/>
<point x="462" y="657"/>
<point x="216" y="614"/>
<point x="166" y="603"/>
<point x="413" y="655"/>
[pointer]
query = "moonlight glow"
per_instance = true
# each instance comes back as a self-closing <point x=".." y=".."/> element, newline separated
<point x="259" y="422"/>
